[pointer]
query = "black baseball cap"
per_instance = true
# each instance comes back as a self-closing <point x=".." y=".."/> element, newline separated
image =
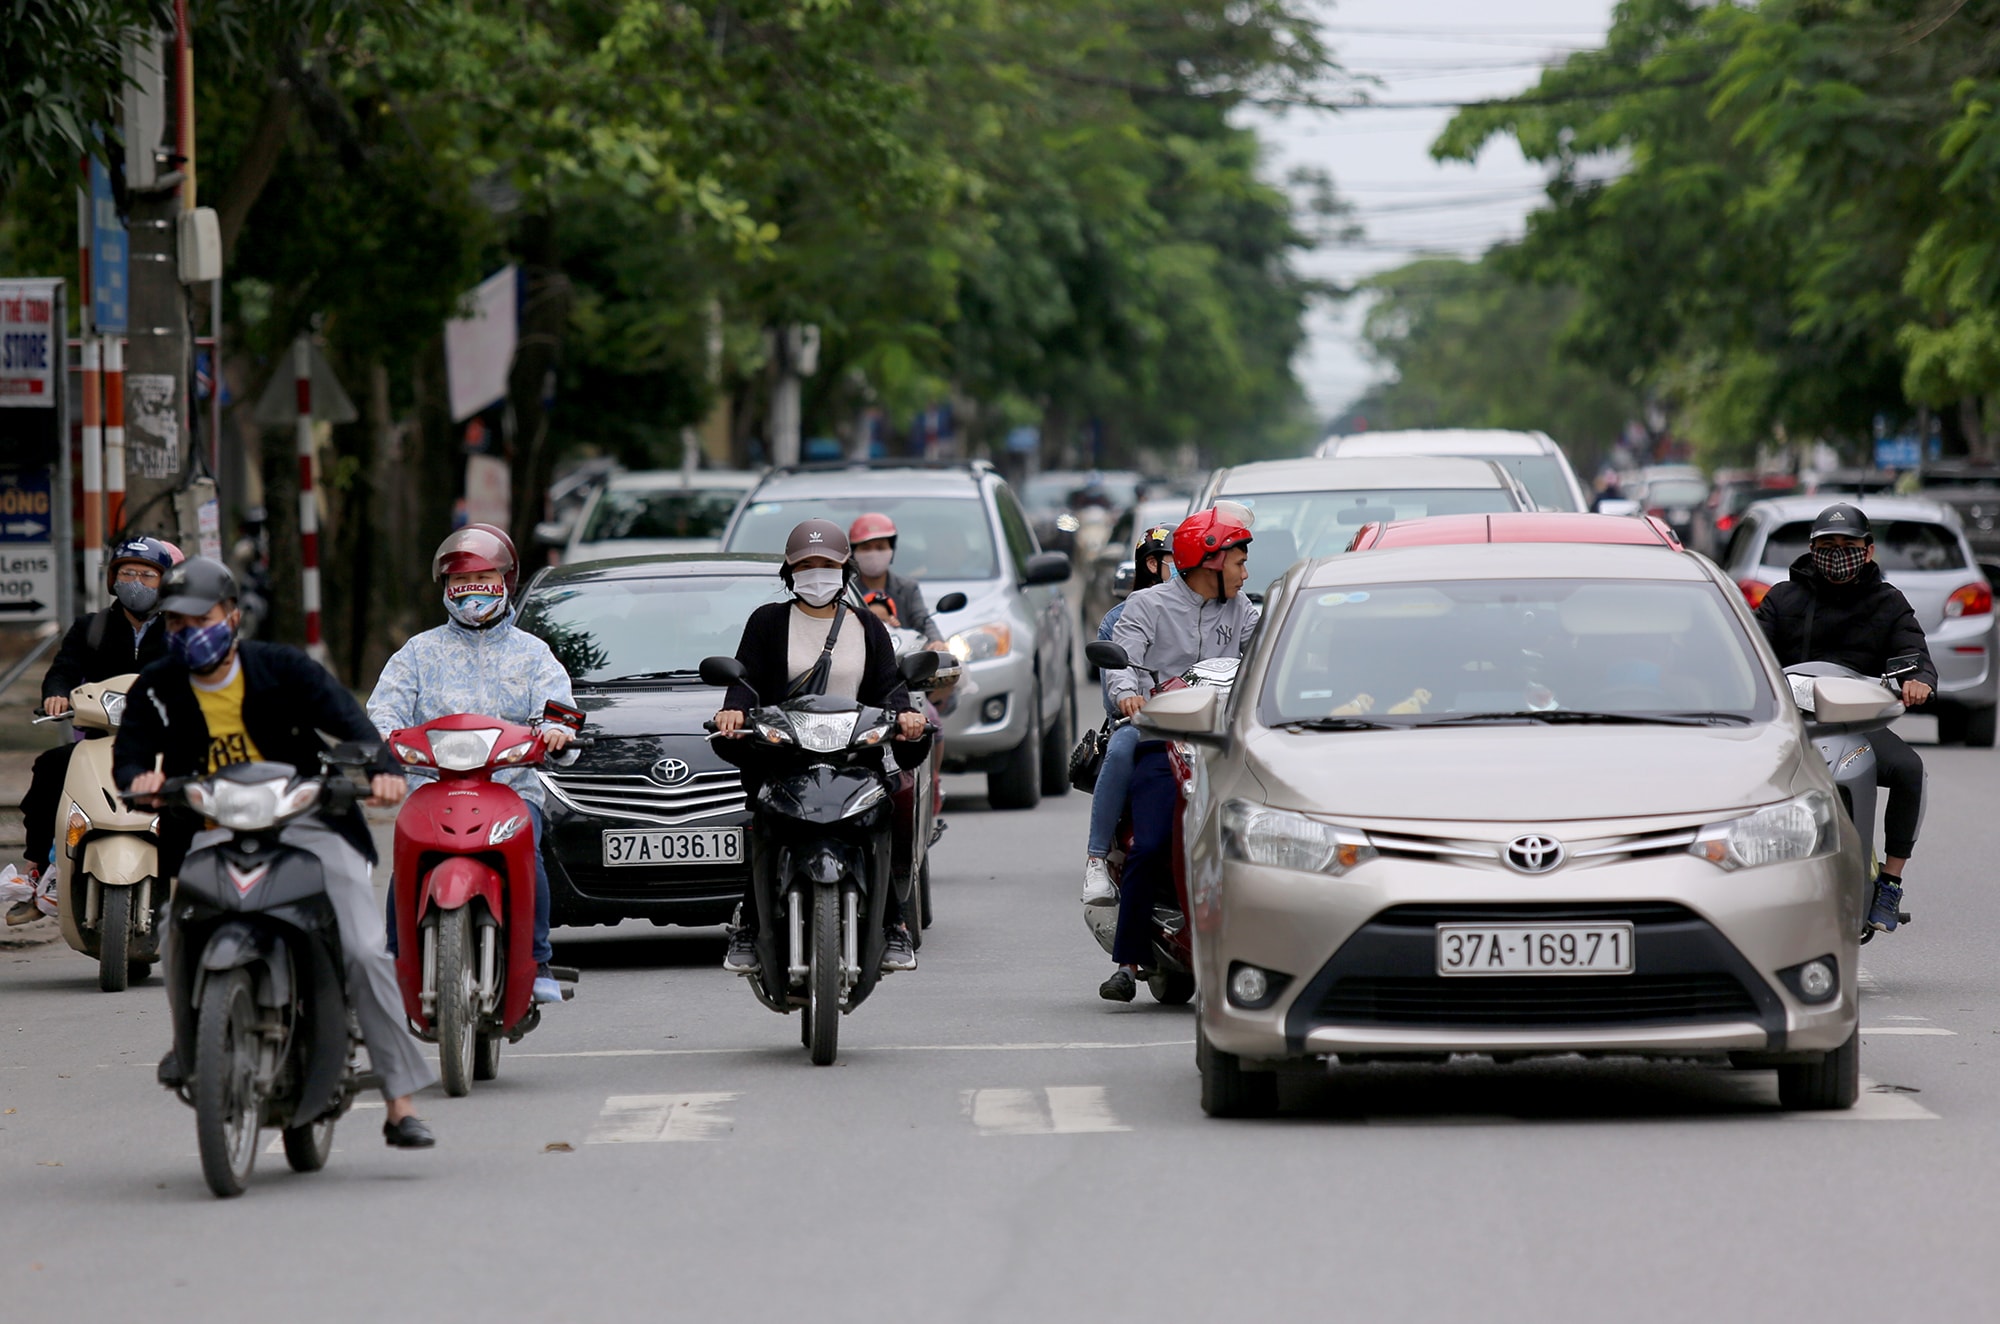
<point x="194" y="586"/>
<point x="1841" y="519"/>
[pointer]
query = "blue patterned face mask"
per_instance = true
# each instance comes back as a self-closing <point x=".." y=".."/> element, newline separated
<point x="203" y="647"/>
<point x="476" y="605"/>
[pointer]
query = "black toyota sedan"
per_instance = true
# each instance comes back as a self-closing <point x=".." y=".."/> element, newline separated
<point x="648" y="823"/>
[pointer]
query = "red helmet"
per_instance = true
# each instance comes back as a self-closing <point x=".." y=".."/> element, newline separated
<point x="871" y="526"/>
<point x="1208" y="533"/>
<point x="478" y="548"/>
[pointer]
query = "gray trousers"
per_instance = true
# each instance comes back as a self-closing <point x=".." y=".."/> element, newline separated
<point x="371" y="976"/>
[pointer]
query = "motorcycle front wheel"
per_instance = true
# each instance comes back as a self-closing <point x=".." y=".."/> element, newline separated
<point x="457" y="1002"/>
<point x="226" y="1106"/>
<point x="823" y="983"/>
<point x="307" y="1147"/>
<point x="114" y="939"/>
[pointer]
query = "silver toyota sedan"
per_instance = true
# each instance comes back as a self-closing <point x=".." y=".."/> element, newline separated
<point x="1515" y="800"/>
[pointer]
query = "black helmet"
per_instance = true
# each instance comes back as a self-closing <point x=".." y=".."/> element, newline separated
<point x="1843" y="520"/>
<point x="195" y="585"/>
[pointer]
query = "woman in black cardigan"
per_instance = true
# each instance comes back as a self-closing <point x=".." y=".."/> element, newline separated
<point x="815" y="644"/>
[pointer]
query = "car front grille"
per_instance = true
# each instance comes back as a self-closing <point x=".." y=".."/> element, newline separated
<point x="637" y="797"/>
<point x="1538" y="1001"/>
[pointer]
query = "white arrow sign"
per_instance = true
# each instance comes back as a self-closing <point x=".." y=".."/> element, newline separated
<point x="27" y="528"/>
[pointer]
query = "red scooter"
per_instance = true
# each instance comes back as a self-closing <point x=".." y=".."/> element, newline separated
<point x="1169" y="975"/>
<point x="465" y="893"/>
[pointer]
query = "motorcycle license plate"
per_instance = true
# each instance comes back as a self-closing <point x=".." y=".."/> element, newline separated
<point x="1534" y="949"/>
<point x="672" y="846"/>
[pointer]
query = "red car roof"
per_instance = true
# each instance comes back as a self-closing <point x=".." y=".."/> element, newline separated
<point x="1517" y="526"/>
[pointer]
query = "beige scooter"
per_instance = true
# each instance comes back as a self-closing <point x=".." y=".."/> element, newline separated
<point x="107" y="856"/>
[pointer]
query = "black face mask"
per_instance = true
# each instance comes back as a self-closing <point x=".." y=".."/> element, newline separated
<point x="1839" y="565"/>
<point x="139" y="599"/>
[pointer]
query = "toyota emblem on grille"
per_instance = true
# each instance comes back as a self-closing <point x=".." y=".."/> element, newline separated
<point x="671" y="772"/>
<point x="1534" y="853"/>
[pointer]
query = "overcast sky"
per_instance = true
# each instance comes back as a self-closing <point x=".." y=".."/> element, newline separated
<point x="1421" y="50"/>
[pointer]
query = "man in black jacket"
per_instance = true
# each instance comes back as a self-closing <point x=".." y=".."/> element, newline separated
<point x="116" y="641"/>
<point x="1837" y="607"/>
<point x="212" y="702"/>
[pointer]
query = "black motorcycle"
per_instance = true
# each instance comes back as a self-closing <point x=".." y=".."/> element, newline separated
<point x="263" y="1033"/>
<point x="822" y="853"/>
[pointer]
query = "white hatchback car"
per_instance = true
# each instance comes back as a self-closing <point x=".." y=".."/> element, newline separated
<point x="658" y="513"/>
<point x="1518" y="799"/>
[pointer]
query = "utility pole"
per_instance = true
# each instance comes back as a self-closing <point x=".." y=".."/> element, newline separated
<point x="157" y="354"/>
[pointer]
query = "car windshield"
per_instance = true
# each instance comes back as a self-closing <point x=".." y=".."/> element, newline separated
<point x="1679" y="493"/>
<point x="1903" y="544"/>
<point x="605" y="629"/>
<point x="937" y="537"/>
<point x="1412" y="654"/>
<point x="1292" y="525"/>
<point x="667" y="512"/>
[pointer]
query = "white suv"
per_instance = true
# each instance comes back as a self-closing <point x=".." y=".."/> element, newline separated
<point x="1533" y="457"/>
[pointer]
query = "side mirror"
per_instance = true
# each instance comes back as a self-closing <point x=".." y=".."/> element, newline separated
<point x="721" y="671"/>
<point x="914" y="666"/>
<point x="1121" y="582"/>
<point x="1841" y="699"/>
<point x="552" y="533"/>
<point x="1046" y="568"/>
<point x="1106" y="656"/>
<point x="950" y="602"/>
<point x="1188" y="712"/>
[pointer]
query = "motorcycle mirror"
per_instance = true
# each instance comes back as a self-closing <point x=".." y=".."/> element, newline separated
<point x="721" y="671"/>
<point x="1106" y="656"/>
<point x="951" y="602"/>
<point x="352" y="754"/>
<point x="917" y="666"/>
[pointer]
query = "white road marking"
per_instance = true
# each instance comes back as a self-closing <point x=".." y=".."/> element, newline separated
<point x="1057" y="1110"/>
<point x="656" y="1118"/>
<point x="1051" y="1047"/>
<point x="1870" y="1031"/>
<point x="1866" y="979"/>
<point x="1875" y="1105"/>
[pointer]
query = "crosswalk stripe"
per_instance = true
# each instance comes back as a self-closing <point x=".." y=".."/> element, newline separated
<point x="1870" y="1031"/>
<point x="1056" y="1110"/>
<point x="657" y="1118"/>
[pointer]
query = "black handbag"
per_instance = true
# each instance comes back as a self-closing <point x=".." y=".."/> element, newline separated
<point x="1086" y="761"/>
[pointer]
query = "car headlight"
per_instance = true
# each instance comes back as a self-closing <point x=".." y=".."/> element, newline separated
<point x="1797" y="829"/>
<point x="823" y="733"/>
<point x="1258" y="834"/>
<point x="462" y="751"/>
<point x="982" y="643"/>
<point x="114" y="706"/>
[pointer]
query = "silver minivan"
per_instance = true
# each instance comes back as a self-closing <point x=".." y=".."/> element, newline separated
<point x="1515" y="800"/>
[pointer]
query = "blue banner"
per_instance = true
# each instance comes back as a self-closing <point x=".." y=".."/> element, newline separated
<point x="109" y="255"/>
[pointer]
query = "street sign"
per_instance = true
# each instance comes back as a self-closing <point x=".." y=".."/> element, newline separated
<point x="278" y="407"/>
<point x="30" y="344"/>
<point x="26" y="511"/>
<point x="110" y="285"/>
<point x="27" y="582"/>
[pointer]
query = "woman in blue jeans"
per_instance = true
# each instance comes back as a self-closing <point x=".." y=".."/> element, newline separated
<point x="1152" y="561"/>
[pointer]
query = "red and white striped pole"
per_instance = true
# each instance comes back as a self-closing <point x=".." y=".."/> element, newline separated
<point x="308" y="502"/>
<point x="93" y="476"/>
<point x="114" y="436"/>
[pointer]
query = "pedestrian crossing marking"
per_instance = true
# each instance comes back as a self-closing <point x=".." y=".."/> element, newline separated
<point x="1056" y="1110"/>
<point x="642" y="1119"/>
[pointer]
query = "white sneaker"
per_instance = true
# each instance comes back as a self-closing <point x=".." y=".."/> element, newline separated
<point x="1097" y="888"/>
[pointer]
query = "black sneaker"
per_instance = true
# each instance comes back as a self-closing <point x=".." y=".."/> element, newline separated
<point x="742" y="956"/>
<point x="410" y="1133"/>
<point x="1121" y="987"/>
<point x="170" y="1073"/>
<point x="897" y="953"/>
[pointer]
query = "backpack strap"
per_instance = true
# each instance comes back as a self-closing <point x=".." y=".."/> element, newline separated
<point x="813" y="680"/>
<point x="93" y="633"/>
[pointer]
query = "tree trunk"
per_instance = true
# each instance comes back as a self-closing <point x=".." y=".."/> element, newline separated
<point x="254" y="168"/>
<point x="531" y="381"/>
<point x="286" y="621"/>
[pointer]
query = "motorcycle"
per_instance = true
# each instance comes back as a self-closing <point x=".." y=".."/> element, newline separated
<point x="465" y="900"/>
<point x="262" y="1026"/>
<point x="107" y="853"/>
<point x="822" y="862"/>
<point x="1839" y="726"/>
<point x="1170" y="977"/>
<point x="920" y="791"/>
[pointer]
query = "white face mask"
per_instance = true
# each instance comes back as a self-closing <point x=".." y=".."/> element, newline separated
<point x="817" y="587"/>
<point x="873" y="564"/>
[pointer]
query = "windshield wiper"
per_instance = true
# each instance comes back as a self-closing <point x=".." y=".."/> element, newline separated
<point x="1573" y="717"/>
<point x="676" y="674"/>
<point x="1340" y="724"/>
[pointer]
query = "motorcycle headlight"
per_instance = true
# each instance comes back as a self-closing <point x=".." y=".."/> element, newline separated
<point x="982" y="643"/>
<point x="245" y="806"/>
<point x="462" y="751"/>
<point x="1797" y="829"/>
<point x="823" y="733"/>
<point x="114" y="706"/>
<point x="1258" y="834"/>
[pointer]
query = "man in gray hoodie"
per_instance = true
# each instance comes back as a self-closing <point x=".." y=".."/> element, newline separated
<point x="1164" y="630"/>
